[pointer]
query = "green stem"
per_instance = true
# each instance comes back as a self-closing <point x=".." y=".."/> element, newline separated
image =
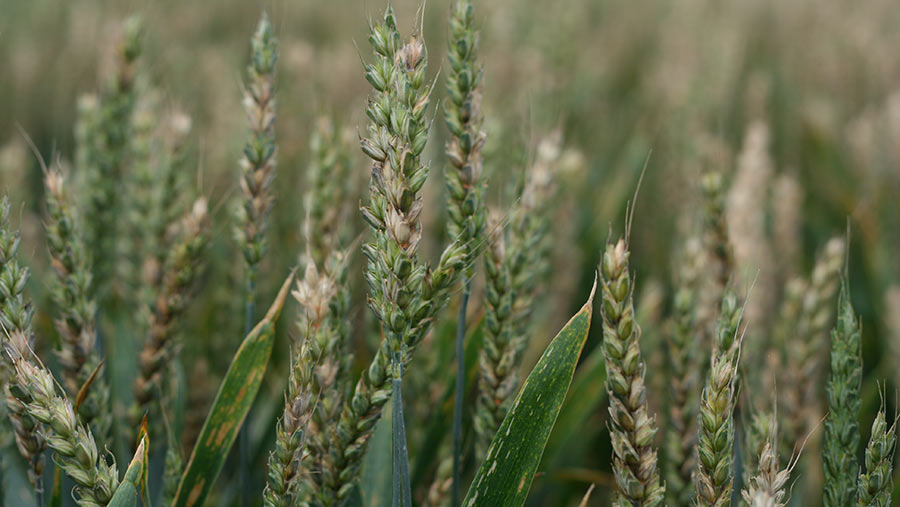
<point x="243" y="437"/>
<point x="460" y="392"/>
<point x="402" y="496"/>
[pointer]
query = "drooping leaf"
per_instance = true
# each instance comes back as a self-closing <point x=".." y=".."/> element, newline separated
<point x="233" y="401"/>
<point x="508" y="468"/>
<point x="132" y="491"/>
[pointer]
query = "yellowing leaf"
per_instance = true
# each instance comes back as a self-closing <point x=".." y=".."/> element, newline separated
<point x="233" y="401"/>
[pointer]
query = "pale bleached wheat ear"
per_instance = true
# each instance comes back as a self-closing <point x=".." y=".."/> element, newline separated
<point x="683" y="343"/>
<point x="787" y="211"/>
<point x="767" y="483"/>
<point x="105" y="128"/>
<point x="405" y="294"/>
<point x="806" y="343"/>
<point x="631" y="428"/>
<point x="326" y="234"/>
<point x="181" y="270"/>
<point x="76" y="451"/>
<point x="15" y="317"/>
<point x="746" y="222"/>
<point x="875" y="485"/>
<point x="314" y="293"/>
<point x="72" y="292"/>
<point x="841" y="442"/>
<point x="715" y="442"/>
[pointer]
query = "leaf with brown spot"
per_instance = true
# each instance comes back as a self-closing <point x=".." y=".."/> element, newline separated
<point x="230" y="408"/>
<point x="505" y="475"/>
<point x="132" y="491"/>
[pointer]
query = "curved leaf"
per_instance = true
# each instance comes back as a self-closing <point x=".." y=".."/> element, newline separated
<point x="233" y="401"/>
<point x="505" y="475"/>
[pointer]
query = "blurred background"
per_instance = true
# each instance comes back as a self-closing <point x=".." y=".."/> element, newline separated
<point x="805" y="93"/>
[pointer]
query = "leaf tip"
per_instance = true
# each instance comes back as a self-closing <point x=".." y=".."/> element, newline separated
<point x="275" y="309"/>
<point x="590" y="302"/>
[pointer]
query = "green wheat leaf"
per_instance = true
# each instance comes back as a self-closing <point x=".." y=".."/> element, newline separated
<point x="505" y="475"/>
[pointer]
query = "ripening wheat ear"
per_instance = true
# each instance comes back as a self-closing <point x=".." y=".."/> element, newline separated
<point x="715" y="233"/>
<point x="497" y="358"/>
<point x="73" y="294"/>
<point x="683" y="343"/>
<point x="841" y="441"/>
<point x="715" y="443"/>
<point x="806" y="343"/>
<point x="182" y="268"/>
<point x="15" y="317"/>
<point x="324" y="297"/>
<point x="631" y="428"/>
<point x="462" y="113"/>
<point x="257" y="166"/>
<point x="316" y="383"/>
<point x="76" y="451"/>
<point x="314" y="293"/>
<point x="516" y="261"/>
<point x="258" y="160"/>
<point x="766" y="486"/>
<point x="405" y="294"/>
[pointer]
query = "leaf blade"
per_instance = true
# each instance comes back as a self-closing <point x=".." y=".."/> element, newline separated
<point x="230" y="408"/>
<point x="507" y="471"/>
<point x="132" y="491"/>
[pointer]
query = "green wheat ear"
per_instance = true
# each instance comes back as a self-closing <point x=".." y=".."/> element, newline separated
<point x="841" y="440"/>
<point x="715" y="443"/>
<point x="876" y="484"/>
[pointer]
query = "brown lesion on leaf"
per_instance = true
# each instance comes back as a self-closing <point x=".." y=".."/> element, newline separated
<point x="223" y="432"/>
<point x="196" y="491"/>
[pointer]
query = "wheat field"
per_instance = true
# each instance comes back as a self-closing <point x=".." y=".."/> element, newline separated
<point x="594" y="252"/>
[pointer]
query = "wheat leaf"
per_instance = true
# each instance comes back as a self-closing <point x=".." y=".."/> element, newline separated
<point x="505" y="475"/>
<point x="230" y="408"/>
